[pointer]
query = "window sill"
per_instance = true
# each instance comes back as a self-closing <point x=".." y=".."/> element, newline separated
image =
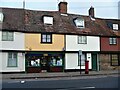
<point x="46" y="42"/>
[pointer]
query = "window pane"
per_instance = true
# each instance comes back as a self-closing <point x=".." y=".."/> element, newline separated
<point x="48" y="40"/>
<point x="10" y="36"/>
<point x="114" y="41"/>
<point x="44" y="36"/>
<point x="48" y="36"/>
<point x="110" y="41"/>
<point x="82" y="39"/>
<point x="10" y="55"/>
<point x="114" y="59"/>
<point x="4" y="36"/>
<point x="44" y="40"/>
<point x="12" y="59"/>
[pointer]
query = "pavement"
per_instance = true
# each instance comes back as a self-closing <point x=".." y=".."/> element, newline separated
<point x="56" y="74"/>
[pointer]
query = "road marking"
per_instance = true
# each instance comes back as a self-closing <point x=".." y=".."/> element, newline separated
<point x="87" y="87"/>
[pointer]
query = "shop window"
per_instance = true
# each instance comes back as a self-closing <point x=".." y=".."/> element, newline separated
<point x="12" y="59"/>
<point x="7" y="36"/>
<point x="33" y="61"/>
<point x="46" y="38"/>
<point x="82" y="39"/>
<point x="82" y="60"/>
<point x="114" y="60"/>
<point x="56" y="61"/>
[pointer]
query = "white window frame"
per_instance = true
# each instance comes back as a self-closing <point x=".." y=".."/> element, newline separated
<point x="12" y="59"/>
<point x="79" y="23"/>
<point x="48" y="20"/>
<point x="115" y="26"/>
<point x="82" y="39"/>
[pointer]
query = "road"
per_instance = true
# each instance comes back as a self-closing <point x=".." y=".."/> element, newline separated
<point x="73" y="83"/>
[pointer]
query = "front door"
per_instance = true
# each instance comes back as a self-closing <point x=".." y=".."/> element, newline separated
<point x="94" y="62"/>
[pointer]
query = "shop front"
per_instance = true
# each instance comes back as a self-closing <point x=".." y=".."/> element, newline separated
<point x="37" y="62"/>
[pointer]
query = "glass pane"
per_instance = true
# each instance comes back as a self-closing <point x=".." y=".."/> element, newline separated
<point x="44" y="36"/>
<point x="12" y="59"/>
<point x="15" y="55"/>
<point x="4" y="35"/>
<point x="9" y="55"/>
<point x="114" y="59"/>
<point x="110" y="40"/>
<point x="44" y="40"/>
<point x="83" y="39"/>
<point x="114" y="40"/>
<point x="79" y="39"/>
<point x="49" y="36"/>
<point x="10" y="36"/>
<point x="48" y="40"/>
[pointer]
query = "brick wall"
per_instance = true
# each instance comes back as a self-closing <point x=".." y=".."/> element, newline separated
<point x="105" y="63"/>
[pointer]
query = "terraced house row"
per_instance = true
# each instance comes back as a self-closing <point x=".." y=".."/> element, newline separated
<point x="36" y="41"/>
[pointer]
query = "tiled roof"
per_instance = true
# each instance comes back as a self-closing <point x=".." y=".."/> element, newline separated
<point x="32" y="21"/>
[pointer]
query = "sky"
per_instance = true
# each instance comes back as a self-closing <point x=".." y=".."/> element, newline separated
<point x="103" y="8"/>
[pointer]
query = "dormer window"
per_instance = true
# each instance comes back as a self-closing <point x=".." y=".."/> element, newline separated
<point x="115" y="26"/>
<point x="79" y="22"/>
<point x="1" y="17"/>
<point x="48" y="20"/>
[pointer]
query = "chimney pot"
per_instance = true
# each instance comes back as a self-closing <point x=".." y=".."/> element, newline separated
<point x="63" y="6"/>
<point x="91" y="12"/>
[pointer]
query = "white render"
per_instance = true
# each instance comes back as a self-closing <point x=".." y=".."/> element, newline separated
<point x="93" y="43"/>
<point x="4" y="61"/>
<point x="71" y="61"/>
<point x="17" y="44"/>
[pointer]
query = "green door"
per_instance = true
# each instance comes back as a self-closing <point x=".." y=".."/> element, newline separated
<point x="94" y="62"/>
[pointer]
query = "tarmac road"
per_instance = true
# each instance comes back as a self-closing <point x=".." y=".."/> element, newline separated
<point x="75" y="83"/>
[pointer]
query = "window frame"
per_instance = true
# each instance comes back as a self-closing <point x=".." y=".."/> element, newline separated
<point x="112" y="41"/>
<point x="77" y="22"/>
<point x="118" y="63"/>
<point x="82" y="39"/>
<point x="48" y="20"/>
<point x="12" y="57"/>
<point x="115" y="26"/>
<point x="46" y="42"/>
<point x="7" y="37"/>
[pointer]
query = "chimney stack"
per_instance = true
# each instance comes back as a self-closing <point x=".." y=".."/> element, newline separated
<point x="91" y="12"/>
<point x="62" y="7"/>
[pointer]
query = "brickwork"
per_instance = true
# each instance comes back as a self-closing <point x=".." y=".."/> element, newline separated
<point x="105" y="62"/>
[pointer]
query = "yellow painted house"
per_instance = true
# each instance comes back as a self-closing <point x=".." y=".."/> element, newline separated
<point x="44" y="52"/>
<point x="33" y="43"/>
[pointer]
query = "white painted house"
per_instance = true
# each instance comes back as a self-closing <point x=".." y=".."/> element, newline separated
<point x="89" y="45"/>
<point x="12" y="55"/>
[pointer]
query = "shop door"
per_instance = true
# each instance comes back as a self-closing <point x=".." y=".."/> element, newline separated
<point x="94" y="62"/>
<point x="45" y="63"/>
